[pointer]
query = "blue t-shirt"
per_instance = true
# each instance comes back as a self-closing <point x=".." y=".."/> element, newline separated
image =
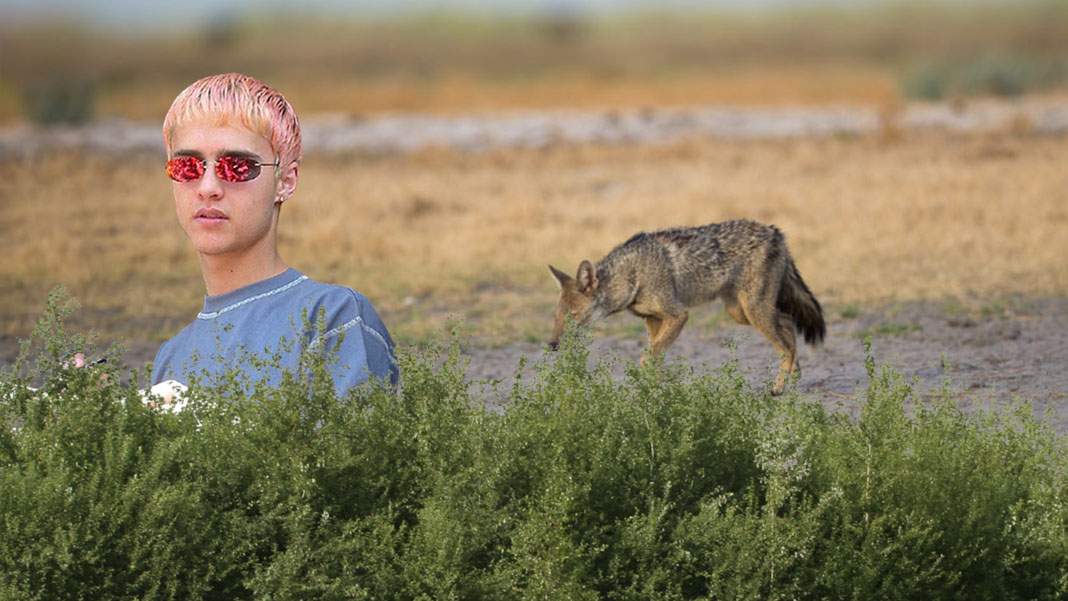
<point x="277" y="317"/>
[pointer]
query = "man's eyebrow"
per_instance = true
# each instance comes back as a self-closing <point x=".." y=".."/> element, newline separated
<point x="244" y="154"/>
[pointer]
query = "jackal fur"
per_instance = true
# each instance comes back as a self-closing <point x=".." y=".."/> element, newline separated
<point x="659" y="275"/>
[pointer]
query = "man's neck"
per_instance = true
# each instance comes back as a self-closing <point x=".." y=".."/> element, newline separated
<point x="225" y="274"/>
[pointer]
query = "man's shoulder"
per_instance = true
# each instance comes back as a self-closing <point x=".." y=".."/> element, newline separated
<point x="351" y="323"/>
<point x="336" y="300"/>
<point x="344" y="309"/>
<point x="336" y="292"/>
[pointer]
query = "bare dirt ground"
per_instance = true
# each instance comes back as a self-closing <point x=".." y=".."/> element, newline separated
<point x="988" y="361"/>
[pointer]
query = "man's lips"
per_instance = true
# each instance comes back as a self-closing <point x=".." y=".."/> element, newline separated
<point x="210" y="215"/>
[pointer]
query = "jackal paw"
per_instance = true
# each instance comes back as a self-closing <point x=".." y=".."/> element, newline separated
<point x="783" y="379"/>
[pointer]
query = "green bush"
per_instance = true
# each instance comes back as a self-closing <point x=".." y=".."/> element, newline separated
<point x="60" y="101"/>
<point x="668" y="484"/>
<point x="927" y="82"/>
<point x="990" y="74"/>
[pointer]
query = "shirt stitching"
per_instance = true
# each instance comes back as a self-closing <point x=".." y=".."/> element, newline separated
<point x="374" y="332"/>
<point x="331" y="333"/>
<point x="381" y="339"/>
<point x="215" y="314"/>
<point x="349" y="325"/>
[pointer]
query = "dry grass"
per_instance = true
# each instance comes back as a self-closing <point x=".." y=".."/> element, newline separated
<point x="440" y="233"/>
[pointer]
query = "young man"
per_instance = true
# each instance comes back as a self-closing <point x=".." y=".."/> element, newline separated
<point x="233" y="147"/>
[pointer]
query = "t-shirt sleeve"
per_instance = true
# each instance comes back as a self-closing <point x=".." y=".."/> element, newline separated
<point x="163" y="366"/>
<point x="381" y="356"/>
<point x="363" y="345"/>
<point x="160" y="364"/>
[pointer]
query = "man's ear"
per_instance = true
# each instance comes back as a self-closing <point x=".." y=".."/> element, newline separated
<point x="587" y="277"/>
<point x="287" y="182"/>
<point x="562" y="279"/>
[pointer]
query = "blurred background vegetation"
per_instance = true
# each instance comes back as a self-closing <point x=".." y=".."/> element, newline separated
<point x="59" y="68"/>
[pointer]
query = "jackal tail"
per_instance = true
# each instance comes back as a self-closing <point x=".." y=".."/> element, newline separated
<point x="797" y="301"/>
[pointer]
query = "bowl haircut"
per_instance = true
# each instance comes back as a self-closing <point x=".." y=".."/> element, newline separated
<point x="233" y="98"/>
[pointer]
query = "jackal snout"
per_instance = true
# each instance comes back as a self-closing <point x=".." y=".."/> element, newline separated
<point x="577" y="299"/>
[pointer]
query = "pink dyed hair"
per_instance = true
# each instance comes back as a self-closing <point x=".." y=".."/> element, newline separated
<point x="254" y="104"/>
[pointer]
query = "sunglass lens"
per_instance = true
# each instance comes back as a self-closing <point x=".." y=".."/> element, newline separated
<point x="185" y="168"/>
<point x="236" y="169"/>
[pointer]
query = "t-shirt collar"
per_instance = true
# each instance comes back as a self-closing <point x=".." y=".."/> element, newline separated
<point x="214" y="305"/>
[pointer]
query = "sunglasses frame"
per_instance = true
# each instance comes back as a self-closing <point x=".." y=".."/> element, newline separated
<point x="216" y="162"/>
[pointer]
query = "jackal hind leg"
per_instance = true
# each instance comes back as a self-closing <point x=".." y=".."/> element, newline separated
<point x="790" y="366"/>
<point x="778" y="329"/>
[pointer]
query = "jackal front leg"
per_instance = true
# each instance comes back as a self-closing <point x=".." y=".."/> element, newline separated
<point x="652" y="326"/>
<point x="670" y="326"/>
<point x="735" y="311"/>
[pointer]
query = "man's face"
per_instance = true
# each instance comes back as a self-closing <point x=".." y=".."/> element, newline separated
<point x="226" y="219"/>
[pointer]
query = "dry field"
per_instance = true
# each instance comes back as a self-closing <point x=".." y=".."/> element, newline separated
<point x="441" y="234"/>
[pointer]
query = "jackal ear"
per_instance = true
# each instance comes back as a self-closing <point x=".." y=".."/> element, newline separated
<point x="587" y="277"/>
<point x="562" y="279"/>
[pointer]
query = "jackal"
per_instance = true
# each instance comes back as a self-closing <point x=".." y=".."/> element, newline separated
<point x="658" y="275"/>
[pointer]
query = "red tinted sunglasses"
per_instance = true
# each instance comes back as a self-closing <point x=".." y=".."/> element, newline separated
<point x="228" y="168"/>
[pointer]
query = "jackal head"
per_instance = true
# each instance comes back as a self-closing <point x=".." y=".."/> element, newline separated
<point x="578" y="299"/>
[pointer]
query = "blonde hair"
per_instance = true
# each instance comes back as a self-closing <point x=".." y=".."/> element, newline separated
<point x="255" y="105"/>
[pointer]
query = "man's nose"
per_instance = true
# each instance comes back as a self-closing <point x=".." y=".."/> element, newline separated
<point x="209" y="185"/>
